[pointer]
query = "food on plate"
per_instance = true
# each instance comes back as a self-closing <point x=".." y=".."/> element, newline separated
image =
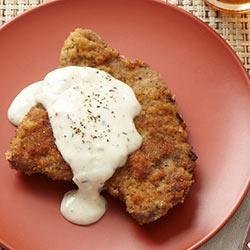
<point x="156" y="176"/>
<point x="91" y="116"/>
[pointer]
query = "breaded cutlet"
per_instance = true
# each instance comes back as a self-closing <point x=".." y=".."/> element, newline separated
<point x="157" y="176"/>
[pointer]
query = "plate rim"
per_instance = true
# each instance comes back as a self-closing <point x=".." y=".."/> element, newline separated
<point x="230" y="50"/>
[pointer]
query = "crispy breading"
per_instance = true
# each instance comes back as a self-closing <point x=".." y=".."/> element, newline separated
<point x="155" y="177"/>
<point x="33" y="150"/>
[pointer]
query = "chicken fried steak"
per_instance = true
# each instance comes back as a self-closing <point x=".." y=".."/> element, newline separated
<point x="157" y="176"/>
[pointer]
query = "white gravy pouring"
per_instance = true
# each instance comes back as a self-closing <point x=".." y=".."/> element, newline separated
<point x="91" y="115"/>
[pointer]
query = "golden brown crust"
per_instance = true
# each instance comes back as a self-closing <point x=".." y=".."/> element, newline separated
<point x="33" y="148"/>
<point x="158" y="175"/>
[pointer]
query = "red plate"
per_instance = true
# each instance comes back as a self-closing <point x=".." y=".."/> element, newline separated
<point x="212" y="91"/>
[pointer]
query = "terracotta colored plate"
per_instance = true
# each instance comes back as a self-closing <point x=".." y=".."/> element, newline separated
<point x="212" y="90"/>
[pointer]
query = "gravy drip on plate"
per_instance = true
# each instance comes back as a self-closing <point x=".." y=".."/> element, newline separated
<point x="91" y="115"/>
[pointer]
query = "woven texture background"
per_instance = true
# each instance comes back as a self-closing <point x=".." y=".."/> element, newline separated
<point x="234" y="29"/>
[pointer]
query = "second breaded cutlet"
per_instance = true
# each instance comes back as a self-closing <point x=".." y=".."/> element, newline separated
<point x="157" y="176"/>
